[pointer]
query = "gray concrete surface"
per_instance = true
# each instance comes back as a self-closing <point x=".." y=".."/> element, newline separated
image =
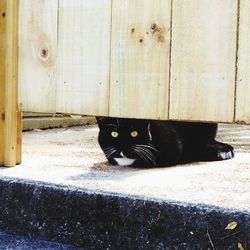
<point x="72" y="157"/>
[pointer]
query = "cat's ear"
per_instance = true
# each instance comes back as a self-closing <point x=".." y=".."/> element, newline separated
<point x="100" y="120"/>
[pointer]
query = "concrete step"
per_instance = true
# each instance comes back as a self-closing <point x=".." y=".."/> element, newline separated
<point x="66" y="192"/>
<point x="14" y="242"/>
<point x="96" y="220"/>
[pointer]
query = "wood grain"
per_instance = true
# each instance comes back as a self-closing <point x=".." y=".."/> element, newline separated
<point x="243" y="74"/>
<point x="19" y="137"/>
<point x="203" y="60"/>
<point x="2" y="75"/>
<point x="83" y="56"/>
<point x="37" y="55"/>
<point x="140" y="58"/>
<point x="159" y="59"/>
<point x="10" y="88"/>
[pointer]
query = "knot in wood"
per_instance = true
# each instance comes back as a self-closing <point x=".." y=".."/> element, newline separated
<point x="44" y="54"/>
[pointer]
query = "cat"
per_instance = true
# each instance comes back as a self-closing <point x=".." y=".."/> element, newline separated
<point x="150" y="143"/>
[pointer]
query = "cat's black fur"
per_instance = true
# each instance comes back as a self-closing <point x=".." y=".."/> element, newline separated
<point x="159" y="143"/>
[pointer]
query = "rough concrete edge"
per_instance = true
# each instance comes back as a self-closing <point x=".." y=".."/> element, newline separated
<point x="32" y="123"/>
<point x="79" y="190"/>
<point x="199" y="220"/>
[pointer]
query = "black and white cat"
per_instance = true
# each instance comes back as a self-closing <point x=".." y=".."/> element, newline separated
<point x="148" y="143"/>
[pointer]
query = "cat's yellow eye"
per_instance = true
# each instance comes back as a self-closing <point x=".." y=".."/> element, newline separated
<point x="114" y="134"/>
<point x="134" y="134"/>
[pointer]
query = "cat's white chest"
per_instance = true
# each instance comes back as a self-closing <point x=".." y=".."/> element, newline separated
<point x="124" y="161"/>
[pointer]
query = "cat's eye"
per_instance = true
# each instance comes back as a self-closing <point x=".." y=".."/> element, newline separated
<point x="114" y="134"/>
<point x="134" y="134"/>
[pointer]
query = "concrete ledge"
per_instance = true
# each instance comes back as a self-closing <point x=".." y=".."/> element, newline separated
<point x="96" y="220"/>
<point x="46" y="122"/>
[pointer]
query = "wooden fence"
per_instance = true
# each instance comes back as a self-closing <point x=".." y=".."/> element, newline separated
<point x="158" y="59"/>
<point x="161" y="59"/>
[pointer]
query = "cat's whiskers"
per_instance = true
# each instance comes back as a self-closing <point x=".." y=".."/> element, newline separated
<point x="109" y="151"/>
<point x="106" y="150"/>
<point x="141" y="156"/>
<point x="110" y="154"/>
<point x="144" y="152"/>
<point x="146" y="158"/>
<point x="147" y="150"/>
<point x="150" y="146"/>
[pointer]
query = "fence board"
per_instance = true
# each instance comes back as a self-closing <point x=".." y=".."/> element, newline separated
<point x="37" y="54"/>
<point x="140" y="58"/>
<point x="243" y="79"/>
<point x="83" y="56"/>
<point x="203" y="60"/>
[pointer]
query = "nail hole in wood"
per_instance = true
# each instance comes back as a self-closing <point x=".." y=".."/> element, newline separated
<point x="153" y="28"/>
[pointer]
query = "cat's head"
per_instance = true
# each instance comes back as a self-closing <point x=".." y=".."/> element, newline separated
<point x="126" y="142"/>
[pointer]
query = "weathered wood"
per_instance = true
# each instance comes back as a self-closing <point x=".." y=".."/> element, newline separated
<point x="140" y="58"/>
<point x="11" y="75"/>
<point x="113" y="57"/>
<point x="37" y="55"/>
<point x="19" y="138"/>
<point x="2" y="75"/>
<point x="83" y="56"/>
<point x="8" y="81"/>
<point x="203" y="60"/>
<point x="243" y="74"/>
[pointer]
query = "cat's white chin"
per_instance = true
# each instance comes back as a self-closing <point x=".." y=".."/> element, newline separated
<point x="124" y="161"/>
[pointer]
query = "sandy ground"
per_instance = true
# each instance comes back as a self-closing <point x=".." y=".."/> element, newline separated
<point x="72" y="157"/>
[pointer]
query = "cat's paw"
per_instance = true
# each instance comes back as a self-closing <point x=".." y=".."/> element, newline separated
<point x="218" y="151"/>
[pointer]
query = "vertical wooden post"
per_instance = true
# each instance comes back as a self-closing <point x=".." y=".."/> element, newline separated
<point x="10" y="120"/>
<point x="2" y="76"/>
